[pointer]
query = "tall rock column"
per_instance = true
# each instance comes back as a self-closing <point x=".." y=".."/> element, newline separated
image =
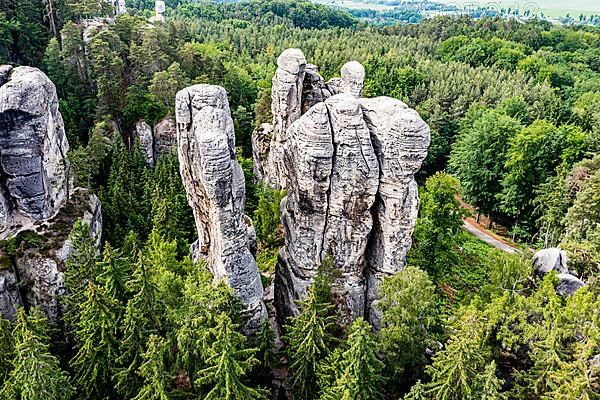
<point x="400" y="139"/>
<point x="215" y="188"/>
<point x="35" y="175"/>
<point x="286" y="107"/>
<point x="38" y="205"/>
<point x="352" y="196"/>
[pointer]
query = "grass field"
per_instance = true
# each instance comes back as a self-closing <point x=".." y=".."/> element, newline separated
<point x="551" y="8"/>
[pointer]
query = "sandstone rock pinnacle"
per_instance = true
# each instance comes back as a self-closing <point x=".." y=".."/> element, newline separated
<point x="215" y="188"/>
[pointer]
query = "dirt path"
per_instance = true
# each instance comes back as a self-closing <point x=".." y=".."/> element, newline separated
<point x="489" y="237"/>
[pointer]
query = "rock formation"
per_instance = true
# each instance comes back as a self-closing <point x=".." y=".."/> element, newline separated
<point x="159" y="11"/>
<point x="352" y="196"/>
<point x="143" y="132"/>
<point x="215" y="188"/>
<point x="555" y="259"/>
<point x="296" y="87"/>
<point x="38" y="206"/>
<point x="158" y="141"/>
<point x="35" y="175"/>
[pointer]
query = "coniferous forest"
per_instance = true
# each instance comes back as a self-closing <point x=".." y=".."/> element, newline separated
<point x="514" y="113"/>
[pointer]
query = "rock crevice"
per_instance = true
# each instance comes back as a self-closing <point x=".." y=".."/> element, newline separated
<point x="351" y="193"/>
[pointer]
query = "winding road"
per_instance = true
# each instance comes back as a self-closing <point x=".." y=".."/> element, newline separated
<point x="489" y="238"/>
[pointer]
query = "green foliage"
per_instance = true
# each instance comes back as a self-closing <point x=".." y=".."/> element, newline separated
<point x="227" y="364"/>
<point x="358" y="371"/>
<point x="307" y="337"/>
<point x="266" y="217"/>
<point x="96" y="344"/>
<point x="456" y="370"/>
<point x="35" y="374"/>
<point x="409" y="312"/>
<point x="6" y="349"/>
<point x="440" y="219"/>
<point x="153" y="371"/>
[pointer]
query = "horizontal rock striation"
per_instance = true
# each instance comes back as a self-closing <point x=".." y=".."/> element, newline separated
<point x="296" y="87"/>
<point x="38" y="206"/>
<point x="35" y="175"/>
<point x="215" y="188"/>
<point x="351" y="196"/>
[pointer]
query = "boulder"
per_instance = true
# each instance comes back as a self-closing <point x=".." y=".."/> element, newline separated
<point x="568" y="284"/>
<point x="261" y="144"/>
<point x="551" y="259"/>
<point x="215" y="188"/>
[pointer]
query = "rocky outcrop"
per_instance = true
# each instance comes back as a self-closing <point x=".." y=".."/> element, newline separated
<point x="165" y="137"/>
<point x="215" y="188"/>
<point x="351" y="196"/>
<point x="158" y="141"/>
<point x="35" y="175"/>
<point x="555" y="259"/>
<point x="296" y="87"/>
<point x="39" y="207"/>
<point x="551" y="259"/>
<point x="143" y="132"/>
<point x="40" y="259"/>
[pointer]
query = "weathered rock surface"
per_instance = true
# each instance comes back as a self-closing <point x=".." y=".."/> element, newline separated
<point x="296" y="87"/>
<point x="555" y="259"/>
<point x="400" y="139"/>
<point x="215" y="188"/>
<point x="551" y="259"/>
<point x="38" y="206"/>
<point x="165" y="137"/>
<point x="568" y="284"/>
<point x="352" y="196"/>
<point x="40" y="266"/>
<point x="143" y="132"/>
<point x="35" y="176"/>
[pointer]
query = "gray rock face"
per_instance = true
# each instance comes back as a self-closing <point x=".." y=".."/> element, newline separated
<point x="551" y="259"/>
<point x="38" y="206"/>
<point x="35" y="176"/>
<point x="165" y="137"/>
<point x="215" y="188"/>
<point x="352" y="196"/>
<point x="9" y="292"/>
<point x="568" y="284"/>
<point x="555" y="259"/>
<point x="143" y="132"/>
<point x="296" y="87"/>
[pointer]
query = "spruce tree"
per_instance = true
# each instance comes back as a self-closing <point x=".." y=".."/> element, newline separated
<point x="142" y="318"/>
<point x="307" y="338"/>
<point x="456" y="369"/>
<point x="35" y="373"/>
<point x="6" y="349"/>
<point x="228" y="363"/>
<point x="157" y="380"/>
<point x="359" y="369"/>
<point x="82" y="268"/>
<point x="96" y="342"/>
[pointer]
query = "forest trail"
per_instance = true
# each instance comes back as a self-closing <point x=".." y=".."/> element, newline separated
<point x="488" y="237"/>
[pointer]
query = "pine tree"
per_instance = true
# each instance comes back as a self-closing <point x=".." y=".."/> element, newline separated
<point x="228" y="363"/>
<point x="417" y="392"/>
<point x="307" y="338"/>
<point x="82" y="268"/>
<point x="142" y="319"/>
<point x="6" y="349"/>
<point x="490" y="384"/>
<point x="35" y="373"/>
<point x="359" y="369"/>
<point x="157" y="380"/>
<point x="114" y="271"/>
<point x="456" y="369"/>
<point x="96" y="341"/>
